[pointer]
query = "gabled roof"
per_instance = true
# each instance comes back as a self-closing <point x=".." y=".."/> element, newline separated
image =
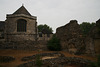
<point x="22" y="10"/>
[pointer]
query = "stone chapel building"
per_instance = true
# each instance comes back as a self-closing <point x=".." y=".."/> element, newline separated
<point x="20" y="26"/>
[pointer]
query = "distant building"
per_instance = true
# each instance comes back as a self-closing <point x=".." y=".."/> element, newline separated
<point x="45" y="35"/>
<point x="21" y="26"/>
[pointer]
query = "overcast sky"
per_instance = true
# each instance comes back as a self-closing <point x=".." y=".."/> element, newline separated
<point x="54" y="13"/>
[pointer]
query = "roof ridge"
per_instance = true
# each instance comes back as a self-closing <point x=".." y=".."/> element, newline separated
<point x="22" y="10"/>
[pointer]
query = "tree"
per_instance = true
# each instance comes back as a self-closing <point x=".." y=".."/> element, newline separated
<point x="98" y="26"/>
<point x="54" y="44"/>
<point x="41" y="27"/>
<point x="38" y="61"/>
<point x="86" y="27"/>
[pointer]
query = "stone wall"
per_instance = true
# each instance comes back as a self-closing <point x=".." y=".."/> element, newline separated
<point x="59" y="62"/>
<point x="11" y="28"/>
<point x="24" y="45"/>
<point x="45" y="37"/>
<point x="89" y="42"/>
<point x="74" y="42"/>
<point x="43" y="55"/>
<point x="71" y="38"/>
<point x="21" y="37"/>
<point x="97" y="46"/>
<point x="92" y="40"/>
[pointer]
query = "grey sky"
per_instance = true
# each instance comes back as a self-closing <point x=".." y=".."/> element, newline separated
<point x="54" y="13"/>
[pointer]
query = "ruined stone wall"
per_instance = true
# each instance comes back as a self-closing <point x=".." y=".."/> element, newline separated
<point x="97" y="46"/>
<point x="92" y="40"/>
<point x="59" y="62"/>
<point x="89" y="42"/>
<point x="70" y="36"/>
<point x="73" y="41"/>
<point x="24" y="45"/>
<point x="11" y="28"/>
<point x="45" y="37"/>
<point x="21" y="37"/>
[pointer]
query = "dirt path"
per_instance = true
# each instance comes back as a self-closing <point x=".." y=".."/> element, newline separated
<point x="18" y="54"/>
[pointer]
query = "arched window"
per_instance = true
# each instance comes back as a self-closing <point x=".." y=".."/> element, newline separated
<point x="21" y="25"/>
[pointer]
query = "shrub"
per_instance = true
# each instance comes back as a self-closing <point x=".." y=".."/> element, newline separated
<point x="54" y="44"/>
<point x="38" y="61"/>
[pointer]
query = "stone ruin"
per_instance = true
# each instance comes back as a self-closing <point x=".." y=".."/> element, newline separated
<point x="92" y="40"/>
<point x="22" y="26"/>
<point x="19" y="31"/>
<point x="71" y="37"/>
<point x="59" y="60"/>
<point x="73" y="41"/>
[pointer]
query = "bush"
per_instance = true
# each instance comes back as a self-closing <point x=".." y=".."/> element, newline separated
<point x="38" y="61"/>
<point x="54" y="44"/>
<point x="86" y="27"/>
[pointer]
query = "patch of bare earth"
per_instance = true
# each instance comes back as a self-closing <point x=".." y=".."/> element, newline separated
<point x="19" y="54"/>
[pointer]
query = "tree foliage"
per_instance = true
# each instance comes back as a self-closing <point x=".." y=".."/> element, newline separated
<point x="86" y="27"/>
<point x="98" y="26"/>
<point x="54" y="44"/>
<point x="41" y="27"/>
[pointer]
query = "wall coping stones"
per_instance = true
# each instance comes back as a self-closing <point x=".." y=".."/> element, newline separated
<point x="56" y="54"/>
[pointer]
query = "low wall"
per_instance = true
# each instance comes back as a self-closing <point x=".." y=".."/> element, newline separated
<point x="57" y="62"/>
<point x="24" y="45"/>
<point x="33" y="57"/>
